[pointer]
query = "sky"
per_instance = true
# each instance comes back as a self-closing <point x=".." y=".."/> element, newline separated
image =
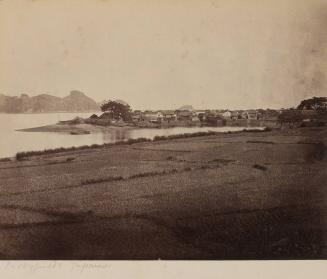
<point x="161" y="54"/>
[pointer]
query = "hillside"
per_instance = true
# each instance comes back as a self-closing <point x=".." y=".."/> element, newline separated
<point x="75" y="102"/>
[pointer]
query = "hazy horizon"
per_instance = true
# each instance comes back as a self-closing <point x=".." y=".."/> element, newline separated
<point x="166" y="54"/>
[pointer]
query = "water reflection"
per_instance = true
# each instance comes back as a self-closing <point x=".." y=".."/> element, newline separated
<point x="115" y="135"/>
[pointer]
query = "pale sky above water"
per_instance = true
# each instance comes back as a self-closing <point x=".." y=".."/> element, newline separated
<point x="162" y="54"/>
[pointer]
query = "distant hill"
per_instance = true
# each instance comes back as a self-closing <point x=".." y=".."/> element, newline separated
<point x="187" y="107"/>
<point x="75" y="102"/>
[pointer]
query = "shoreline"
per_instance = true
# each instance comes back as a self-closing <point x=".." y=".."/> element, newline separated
<point x="25" y="154"/>
<point x="71" y="128"/>
<point x="93" y="128"/>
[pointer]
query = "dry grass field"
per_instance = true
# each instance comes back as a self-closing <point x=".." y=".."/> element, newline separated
<point x="230" y="196"/>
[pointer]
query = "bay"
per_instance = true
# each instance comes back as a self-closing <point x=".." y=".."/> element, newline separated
<point x="12" y="141"/>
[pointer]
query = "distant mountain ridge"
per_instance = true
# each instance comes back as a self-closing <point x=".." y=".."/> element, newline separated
<point x="76" y="101"/>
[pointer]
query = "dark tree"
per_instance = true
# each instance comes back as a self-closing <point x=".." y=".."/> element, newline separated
<point x="290" y="116"/>
<point x="117" y="110"/>
<point x="315" y="103"/>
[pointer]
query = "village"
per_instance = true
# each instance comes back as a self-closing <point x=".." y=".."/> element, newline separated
<point x="187" y="116"/>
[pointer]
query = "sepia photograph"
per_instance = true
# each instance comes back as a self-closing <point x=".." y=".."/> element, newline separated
<point x="163" y="130"/>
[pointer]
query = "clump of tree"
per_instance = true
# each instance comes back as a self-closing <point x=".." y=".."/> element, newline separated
<point x="117" y="110"/>
<point x="316" y="103"/>
<point x="290" y="117"/>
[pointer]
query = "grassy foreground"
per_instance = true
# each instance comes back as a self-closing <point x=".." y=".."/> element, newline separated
<point x="215" y="196"/>
<point x="25" y="154"/>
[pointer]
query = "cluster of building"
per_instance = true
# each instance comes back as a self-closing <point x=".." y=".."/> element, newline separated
<point x="202" y="116"/>
<point x="191" y="117"/>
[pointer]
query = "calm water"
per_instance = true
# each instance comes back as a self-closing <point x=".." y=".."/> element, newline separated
<point x="12" y="141"/>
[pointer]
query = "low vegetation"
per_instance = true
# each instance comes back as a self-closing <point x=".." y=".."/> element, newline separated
<point x="152" y="173"/>
<point x="143" y="175"/>
<point x="185" y="135"/>
<point x="266" y="129"/>
<point x="138" y="140"/>
<point x="260" y="141"/>
<point x="25" y="154"/>
<point x="259" y="167"/>
<point x="133" y="176"/>
<point x="100" y="180"/>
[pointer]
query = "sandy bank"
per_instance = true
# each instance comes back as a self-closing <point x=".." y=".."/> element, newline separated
<point x="75" y="128"/>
